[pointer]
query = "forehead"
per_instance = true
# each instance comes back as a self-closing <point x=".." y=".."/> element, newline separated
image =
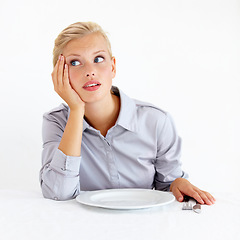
<point x="89" y="43"/>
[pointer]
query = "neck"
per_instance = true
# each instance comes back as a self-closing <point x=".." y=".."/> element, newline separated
<point x="103" y="115"/>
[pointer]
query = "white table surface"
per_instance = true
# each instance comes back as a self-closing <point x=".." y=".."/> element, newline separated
<point x="27" y="215"/>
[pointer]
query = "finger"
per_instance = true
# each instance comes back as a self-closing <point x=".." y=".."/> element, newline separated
<point x="193" y="192"/>
<point x="178" y="195"/>
<point x="204" y="198"/>
<point x="207" y="198"/>
<point x="60" y="71"/>
<point x="65" y="75"/>
<point x="213" y="199"/>
<point x="210" y="196"/>
<point x="54" y="73"/>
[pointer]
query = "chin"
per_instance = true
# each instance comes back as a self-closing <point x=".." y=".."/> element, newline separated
<point x="93" y="98"/>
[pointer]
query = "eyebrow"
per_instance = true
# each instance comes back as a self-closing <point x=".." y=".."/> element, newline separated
<point x="99" y="51"/>
<point x="74" y="54"/>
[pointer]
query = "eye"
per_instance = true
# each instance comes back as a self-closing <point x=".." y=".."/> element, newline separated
<point x="75" y="63"/>
<point x="98" y="59"/>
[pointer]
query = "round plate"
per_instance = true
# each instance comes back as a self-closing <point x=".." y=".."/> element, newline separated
<point x="125" y="198"/>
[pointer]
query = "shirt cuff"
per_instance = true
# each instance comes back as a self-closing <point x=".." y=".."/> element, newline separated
<point x="67" y="164"/>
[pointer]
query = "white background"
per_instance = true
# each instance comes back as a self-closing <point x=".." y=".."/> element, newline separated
<point x="183" y="56"/>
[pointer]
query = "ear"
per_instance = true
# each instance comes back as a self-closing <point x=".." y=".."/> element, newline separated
<point x="113" y="67"/>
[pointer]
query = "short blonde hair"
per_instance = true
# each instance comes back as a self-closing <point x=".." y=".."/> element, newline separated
<point x="74" y="31"/>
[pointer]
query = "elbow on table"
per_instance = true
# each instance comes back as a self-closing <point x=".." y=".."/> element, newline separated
<point x="60" y="196"/>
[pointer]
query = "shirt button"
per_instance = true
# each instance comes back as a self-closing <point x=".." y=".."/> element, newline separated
<point x="55" y="198"/>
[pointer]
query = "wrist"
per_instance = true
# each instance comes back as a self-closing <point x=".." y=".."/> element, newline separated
<point x="77" y="111"/>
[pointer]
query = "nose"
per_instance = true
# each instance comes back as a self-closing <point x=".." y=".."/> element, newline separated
<point x="89" y="70"/>
<point x="90" y="74"/>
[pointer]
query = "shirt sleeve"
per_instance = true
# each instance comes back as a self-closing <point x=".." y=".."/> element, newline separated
<point x="168" y="164"/>
<point x="59" y="175"/>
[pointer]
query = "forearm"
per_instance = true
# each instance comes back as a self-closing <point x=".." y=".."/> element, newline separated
<point x="72" y="137"/>
<point x="59" y="175"/>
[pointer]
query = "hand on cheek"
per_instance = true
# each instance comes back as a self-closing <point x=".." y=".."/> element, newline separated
<point x="62" y="86"/>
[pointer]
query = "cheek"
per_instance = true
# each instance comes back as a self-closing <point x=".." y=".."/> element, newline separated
<point x="73" y="76"/>
<point x="107" y="71"/>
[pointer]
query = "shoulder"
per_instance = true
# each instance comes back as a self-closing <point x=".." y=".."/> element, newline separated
<point x="54" y="122"/>
<point x="57" y="114"/>
<point x="152" y="117"/>
<point x="150" y="109"/>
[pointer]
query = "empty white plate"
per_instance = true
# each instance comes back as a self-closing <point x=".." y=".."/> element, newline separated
<point x="125" y="198"/>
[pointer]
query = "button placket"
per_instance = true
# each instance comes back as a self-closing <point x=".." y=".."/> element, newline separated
<point x="111" y="164"/>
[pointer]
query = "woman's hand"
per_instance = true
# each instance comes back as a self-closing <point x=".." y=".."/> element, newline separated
<point x="181" y="187"/>
<point x="63" y="87"/>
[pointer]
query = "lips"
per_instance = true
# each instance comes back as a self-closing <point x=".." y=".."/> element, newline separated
<point x="92" y="85"/>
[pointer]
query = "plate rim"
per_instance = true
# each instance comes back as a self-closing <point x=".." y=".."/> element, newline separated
<point x="88" y="194"/>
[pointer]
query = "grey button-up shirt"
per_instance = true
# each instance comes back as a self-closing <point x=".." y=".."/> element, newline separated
<point x="142" y="150"/>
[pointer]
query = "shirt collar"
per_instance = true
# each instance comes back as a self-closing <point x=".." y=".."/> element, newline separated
<point x="128" y="112"/>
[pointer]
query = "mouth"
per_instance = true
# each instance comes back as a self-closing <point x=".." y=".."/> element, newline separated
<point x="92" y="85"/>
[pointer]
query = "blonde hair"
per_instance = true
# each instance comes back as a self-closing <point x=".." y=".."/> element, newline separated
<point x="74" y="31"/>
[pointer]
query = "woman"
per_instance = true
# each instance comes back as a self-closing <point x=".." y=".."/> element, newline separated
<point x="102" y="138"/>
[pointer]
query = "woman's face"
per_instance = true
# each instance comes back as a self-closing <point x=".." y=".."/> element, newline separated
<point x="91" y="68"/>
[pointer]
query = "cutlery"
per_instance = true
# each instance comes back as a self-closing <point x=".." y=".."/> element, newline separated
<point x="197" y="208"/>
<point x="187" y="205"/>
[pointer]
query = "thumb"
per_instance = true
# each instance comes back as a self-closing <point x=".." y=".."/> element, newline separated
<point x="178" y="195"/>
